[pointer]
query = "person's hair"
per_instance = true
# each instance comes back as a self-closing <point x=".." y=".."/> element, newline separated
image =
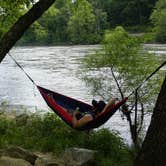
<point x="99" y="106"/>
<point x="94" y="103"/>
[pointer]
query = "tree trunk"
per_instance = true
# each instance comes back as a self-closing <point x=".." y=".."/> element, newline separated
<point x="21" y="25"/>
<point x="153" y="152"/>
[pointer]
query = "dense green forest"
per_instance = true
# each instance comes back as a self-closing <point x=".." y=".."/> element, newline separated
<point x="85" y="21"/>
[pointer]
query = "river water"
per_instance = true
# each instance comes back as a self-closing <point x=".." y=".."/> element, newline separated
<point x="55" y="68"/>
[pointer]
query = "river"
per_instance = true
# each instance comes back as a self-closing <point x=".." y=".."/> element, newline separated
<point x="55" y="68"/>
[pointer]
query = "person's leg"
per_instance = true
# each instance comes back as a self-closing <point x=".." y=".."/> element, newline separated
<point x="81" y="122"/>
<point x="109" y="104"/>
<point x="111" y="101"/>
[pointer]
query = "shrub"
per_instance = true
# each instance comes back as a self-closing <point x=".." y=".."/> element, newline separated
<point x="159" y="19"/>
<point x="50" y="134"/>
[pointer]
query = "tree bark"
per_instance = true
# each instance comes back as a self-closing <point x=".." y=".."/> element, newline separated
<point x="153" y="151"/>
<point x="21" y="25"/>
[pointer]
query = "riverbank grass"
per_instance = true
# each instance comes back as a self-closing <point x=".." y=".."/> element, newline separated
<point x="47" y="133"/>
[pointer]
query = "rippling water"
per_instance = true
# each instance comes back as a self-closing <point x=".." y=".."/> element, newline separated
<point x="54" y="68"/>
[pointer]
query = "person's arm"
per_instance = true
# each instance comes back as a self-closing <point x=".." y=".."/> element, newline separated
<point x="109" y="104"/>
<point x="81" y="122"/>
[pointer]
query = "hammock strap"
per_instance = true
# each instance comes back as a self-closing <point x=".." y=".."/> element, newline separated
<point x="147" y="78"/>
<point x="21" y="68"/>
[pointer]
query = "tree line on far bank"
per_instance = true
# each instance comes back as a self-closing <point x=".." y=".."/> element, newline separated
<point x="84" y="21"/>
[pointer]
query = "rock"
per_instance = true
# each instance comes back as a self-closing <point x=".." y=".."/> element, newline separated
<point x="18" y="152"/>
<point x="1" y="152"/>
<point x="40" y="162"/>
<point x="48" y="160"/>
<point x="8" y="161"/>
<point x="71" y="157"/>
<point x="45" y="162"/>
<point x="81" y="157"/>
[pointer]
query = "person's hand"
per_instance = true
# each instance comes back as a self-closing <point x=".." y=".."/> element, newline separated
<point x="74" y="113"/>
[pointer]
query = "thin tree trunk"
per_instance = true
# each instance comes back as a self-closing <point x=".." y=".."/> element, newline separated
<point x="21" y="25"/>
<point x="153" y="152"/>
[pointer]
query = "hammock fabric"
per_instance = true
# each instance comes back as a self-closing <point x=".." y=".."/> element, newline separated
<point x="60" y="104"/>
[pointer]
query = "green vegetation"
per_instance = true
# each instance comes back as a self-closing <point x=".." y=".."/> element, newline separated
<point x="10" y="12"/>
<point x="123" y="53"/>
<point x="81" y="25"/>
<point x="126" y="12"/>
<point x="159" y="19"/>
<point x="49" y="134"/>
<point x="121" y="57"/>
<point x="85" y="21"/>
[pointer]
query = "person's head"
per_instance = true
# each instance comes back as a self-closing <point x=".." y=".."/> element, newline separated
<point x="98" y="106"/>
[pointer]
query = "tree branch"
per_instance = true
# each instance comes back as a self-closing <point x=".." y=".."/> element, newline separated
<point x="117" y="83"/>
<point x="21" y="25"/>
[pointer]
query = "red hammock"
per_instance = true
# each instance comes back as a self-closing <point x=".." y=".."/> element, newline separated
<point x="60" y="103"/>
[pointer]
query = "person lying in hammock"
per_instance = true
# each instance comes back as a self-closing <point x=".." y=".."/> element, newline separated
<point x="98" y="107"/>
